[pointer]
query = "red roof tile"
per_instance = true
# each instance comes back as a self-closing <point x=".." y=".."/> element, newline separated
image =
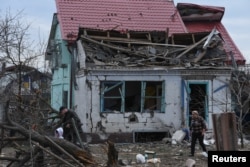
<point x="229" y="43"/>
<point x="120" y="15"/>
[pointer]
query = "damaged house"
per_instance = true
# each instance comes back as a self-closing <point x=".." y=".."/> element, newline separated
<point x="134" y="70"/>
<point x="29" y="81"/>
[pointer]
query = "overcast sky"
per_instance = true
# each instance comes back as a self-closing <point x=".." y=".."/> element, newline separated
<point x="236" y="18"/>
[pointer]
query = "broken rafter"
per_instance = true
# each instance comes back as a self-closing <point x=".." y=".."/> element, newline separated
<point x="200" y="55"/>
<point x="131" y="41"/>
<point x="116" y="39"/>
<point x="166" y="35"/>
<point x="214" y="59"/>
<point x="206" y="44"/>
<point x="128" y="36"/>
<point x="192" y="47"/>
<point x="207" y="40"/>
<point x="107" y="45"/>
<point x="113" y="51"/>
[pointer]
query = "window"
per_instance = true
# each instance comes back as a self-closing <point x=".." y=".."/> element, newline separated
<point x="132" y="96"/>
<point x="56" y="54"/>
<point x="65" y="98"/>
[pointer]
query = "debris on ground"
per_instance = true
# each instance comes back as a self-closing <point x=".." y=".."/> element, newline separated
<point x="140" y="159"/>
<point x="190" y="163"/>
<point x="178" y="136"/>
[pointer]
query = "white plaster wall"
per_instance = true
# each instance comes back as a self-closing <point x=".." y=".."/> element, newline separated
<point x="221" y="99"/>
<point x="88" y="104"/>
<point x="95" y="106"/>
<point x="82" y="97"/>
<point x="81" y="54"/>
<point x="173" y="114"/>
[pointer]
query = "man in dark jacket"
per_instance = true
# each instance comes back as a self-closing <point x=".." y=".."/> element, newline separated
<point x="67" y="124"/>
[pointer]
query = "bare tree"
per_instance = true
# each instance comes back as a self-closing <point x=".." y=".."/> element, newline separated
<point x="237" y="99"/>
<point x="15" y="45"/>
<point x="240" y="87"/>
<point x="28" y="114"/>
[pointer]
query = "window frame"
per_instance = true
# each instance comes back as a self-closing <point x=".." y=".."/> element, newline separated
<point x="104" y="89"/>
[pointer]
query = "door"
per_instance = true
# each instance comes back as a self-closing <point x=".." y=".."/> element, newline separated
<point x="198" y="99"/>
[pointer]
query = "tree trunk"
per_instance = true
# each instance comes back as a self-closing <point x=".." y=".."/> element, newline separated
<point x="112" y="155"/>
<point x="80" y="154"/>
<point x="241" y="129"/>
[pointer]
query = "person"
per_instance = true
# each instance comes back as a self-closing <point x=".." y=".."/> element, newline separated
<point x="59" y="133"/>
<point x="68" y="129"/>
<point x="197" y="129"/>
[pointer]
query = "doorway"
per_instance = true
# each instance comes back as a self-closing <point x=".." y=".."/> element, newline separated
<point x="198" y="99"/>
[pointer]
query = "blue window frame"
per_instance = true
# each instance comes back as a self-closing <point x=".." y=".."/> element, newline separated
<point x="132" y="96"/>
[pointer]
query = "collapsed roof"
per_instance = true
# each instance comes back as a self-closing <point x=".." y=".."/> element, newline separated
<point x="203" y="18"/>
<point x="150" y="49"/>
<point x="178" y="25"/>
<point x="194" y="12"/>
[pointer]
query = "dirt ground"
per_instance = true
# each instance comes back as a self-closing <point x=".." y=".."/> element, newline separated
<point x="170" y="155"/>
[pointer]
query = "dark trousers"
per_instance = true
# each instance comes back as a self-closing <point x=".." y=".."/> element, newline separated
<point x="200" y="137"/>
<point x="69" y="134"/>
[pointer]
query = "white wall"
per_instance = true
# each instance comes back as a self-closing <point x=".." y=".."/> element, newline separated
<point x="87" y="99"/>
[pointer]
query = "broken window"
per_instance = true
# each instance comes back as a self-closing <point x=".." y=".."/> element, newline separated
<point x="132" y="96"/>
<point x="56" y="50"/>
<point x="111" y="96"/>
